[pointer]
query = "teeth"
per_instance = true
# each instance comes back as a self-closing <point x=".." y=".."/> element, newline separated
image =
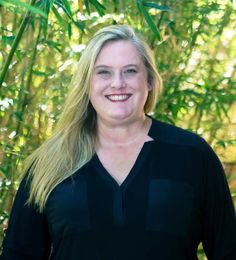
<point x="118" y="97"/>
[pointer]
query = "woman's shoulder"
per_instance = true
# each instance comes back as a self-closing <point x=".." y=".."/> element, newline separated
<point x="172" y="134"/>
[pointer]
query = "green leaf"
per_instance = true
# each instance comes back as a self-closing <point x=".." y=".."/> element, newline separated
<point x="46" y="8"/>
<point x="67" y="8"/>
<point x="41" y="73"/>
<point x="7" y="39"/>
<point x="5" y="172"/>
<point x="218" y="111"/>
<point x="149" y="20"/>
<point x="79" y="25"/>
<point x="18" y="116"/>
<point x="224" y="110"/>
<point x="55" y="45"/>
<point x="69" y="30"/>
<point x="23" y="5"/>
<point x="86" y="2"/>
<point x="221" y="143"/>
<point x="51" y="2"/>
<point x="156" y="6"/>
<point x="171" y="25"/>
<point x="99" y="7"/>
<point x="59" y="18"/>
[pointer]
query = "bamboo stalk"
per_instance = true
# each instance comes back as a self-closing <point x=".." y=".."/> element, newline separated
<point x="10" y="194"/>
<point x="15" y="44"/>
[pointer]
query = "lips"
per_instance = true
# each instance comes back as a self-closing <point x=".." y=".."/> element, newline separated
<point x="118" y="97"/>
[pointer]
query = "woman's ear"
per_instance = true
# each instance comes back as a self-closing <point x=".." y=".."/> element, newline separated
<point x="149" y="87"/>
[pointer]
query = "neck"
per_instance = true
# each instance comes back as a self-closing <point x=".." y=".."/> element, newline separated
<point x="122" y="134"/>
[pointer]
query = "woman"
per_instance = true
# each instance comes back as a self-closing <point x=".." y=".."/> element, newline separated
<point x="113" y="183"/>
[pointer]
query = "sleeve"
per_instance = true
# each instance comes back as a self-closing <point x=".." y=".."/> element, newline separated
<point x="27" y="236"/>
<point x="219" y="220"/>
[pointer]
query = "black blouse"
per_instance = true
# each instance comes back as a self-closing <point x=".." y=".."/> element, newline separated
<point x="175" y="197"/>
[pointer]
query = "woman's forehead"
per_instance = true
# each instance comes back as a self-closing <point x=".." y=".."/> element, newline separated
<point x="120" y="52"/>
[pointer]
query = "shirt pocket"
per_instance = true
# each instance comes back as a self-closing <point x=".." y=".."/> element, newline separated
<point x="170" y="205"/>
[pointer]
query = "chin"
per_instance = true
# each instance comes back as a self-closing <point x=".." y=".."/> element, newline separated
<point x="122" y="117"/>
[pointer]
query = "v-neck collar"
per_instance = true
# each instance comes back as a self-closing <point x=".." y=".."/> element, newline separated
<point x="139" y="163"/>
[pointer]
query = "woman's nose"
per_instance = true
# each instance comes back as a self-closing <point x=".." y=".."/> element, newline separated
<point x="118" y="81"/>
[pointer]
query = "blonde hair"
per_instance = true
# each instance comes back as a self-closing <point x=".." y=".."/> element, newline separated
<point x="72" y="144"/>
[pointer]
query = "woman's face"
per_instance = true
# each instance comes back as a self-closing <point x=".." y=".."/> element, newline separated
<point x="119" y="86"/>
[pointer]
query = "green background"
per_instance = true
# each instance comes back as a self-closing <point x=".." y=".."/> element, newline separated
<point x="40" y="45"/>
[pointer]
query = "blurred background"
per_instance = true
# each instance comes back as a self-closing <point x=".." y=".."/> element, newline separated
<point x="41" y="42"/>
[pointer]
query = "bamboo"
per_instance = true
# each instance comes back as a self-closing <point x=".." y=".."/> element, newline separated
<point x="15" y="44"/>
<point x="21" y="107"/>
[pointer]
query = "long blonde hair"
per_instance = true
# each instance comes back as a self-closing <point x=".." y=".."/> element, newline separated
<point x="72" y="144"/>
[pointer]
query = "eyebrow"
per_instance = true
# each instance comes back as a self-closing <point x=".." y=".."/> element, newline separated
<point x="101" y="66"/>
<point x="107" y="67"/>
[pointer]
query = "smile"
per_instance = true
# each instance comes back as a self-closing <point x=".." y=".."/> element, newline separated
<point x="121" y="97"/>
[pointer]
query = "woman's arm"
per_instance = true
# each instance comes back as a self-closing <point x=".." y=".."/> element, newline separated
<point x="219" y="227"/>
<point x="27" y="236"/>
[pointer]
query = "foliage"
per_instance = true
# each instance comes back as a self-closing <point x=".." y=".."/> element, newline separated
<point x="41" y="42"/>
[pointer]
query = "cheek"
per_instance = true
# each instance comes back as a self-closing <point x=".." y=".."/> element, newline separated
<point x="94" y="101"/>
<point x="92" y="93"/>
<point x="142" y="82"/>
<point x="94" y="89"/>
<point x="95" y="94"/>
<point x="97" y="85"/>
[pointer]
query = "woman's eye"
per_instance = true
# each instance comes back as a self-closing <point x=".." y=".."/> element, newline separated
<point x="103" y="72"/>
<point x="130" y="71"/>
